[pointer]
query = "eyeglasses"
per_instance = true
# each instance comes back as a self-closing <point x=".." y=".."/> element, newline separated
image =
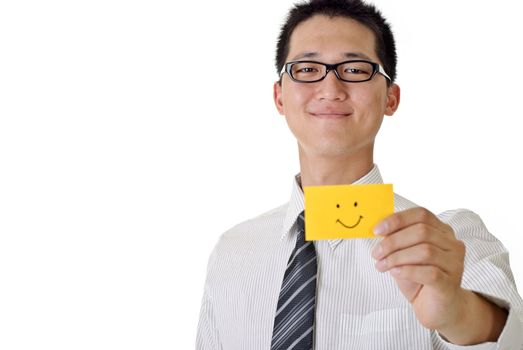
<point x="356" y="71"/>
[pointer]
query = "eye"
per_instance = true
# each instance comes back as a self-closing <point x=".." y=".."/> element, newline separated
<point x="355" y="204"/>
<point x="306" y="70"/>
<point x="355" y="71"/>
<point x="337" y="205"/>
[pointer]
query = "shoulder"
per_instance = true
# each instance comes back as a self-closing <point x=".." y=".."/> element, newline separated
<point x="460" y="217"/>
<point x="464" y="222"/>
<point x="467" y="224"/>
<point x="254" y="231"/>
<point x="267" y="221"/>
<point x="257" y="234"/>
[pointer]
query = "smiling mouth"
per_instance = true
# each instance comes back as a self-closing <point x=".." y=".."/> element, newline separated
<point x="353" y="226"/>
<point x="328" y="115"/>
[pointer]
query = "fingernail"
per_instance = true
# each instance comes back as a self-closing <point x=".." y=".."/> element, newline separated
<point x="380" y="229"/>
<point x="382" y="264"/>
<point x="378" y="252"/>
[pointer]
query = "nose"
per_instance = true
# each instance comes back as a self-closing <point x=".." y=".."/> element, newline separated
<point x="331" y="88"/>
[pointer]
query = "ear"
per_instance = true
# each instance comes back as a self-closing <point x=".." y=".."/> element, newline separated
<point x="277" y="97"/>
<point x="393" y="99"/>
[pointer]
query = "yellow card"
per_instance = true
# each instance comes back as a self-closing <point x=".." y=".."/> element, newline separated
<point x="346" y="211"/>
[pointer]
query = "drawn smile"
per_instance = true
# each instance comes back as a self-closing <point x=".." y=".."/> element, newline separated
<point x="353" y="226"/>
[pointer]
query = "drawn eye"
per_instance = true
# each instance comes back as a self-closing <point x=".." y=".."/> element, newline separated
<point x="355" y="204"/>
<point x="337" y="205"/>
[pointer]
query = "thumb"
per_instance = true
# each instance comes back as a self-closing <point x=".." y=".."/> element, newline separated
<point x="408" y="288"/>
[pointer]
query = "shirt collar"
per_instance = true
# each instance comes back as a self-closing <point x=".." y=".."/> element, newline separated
<point x="297" y="204"/>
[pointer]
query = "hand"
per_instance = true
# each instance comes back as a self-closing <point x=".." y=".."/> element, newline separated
<point x="426" y="261"/>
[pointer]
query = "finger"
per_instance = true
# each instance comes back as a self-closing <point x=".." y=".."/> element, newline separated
<point x="405" y="218"/>
<point x="409" y="237"/>
<point x="421" y="254"/>
<point x="423" y="274"/>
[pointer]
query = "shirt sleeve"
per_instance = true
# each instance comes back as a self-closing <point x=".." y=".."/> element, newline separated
<point x="207" y="337"/>
<point x="487" y="272"/>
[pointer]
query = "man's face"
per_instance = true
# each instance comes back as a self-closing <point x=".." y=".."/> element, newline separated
<point x="332" y="117"/>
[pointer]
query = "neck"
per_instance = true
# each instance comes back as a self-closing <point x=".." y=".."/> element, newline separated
<point x="318" y="170"/>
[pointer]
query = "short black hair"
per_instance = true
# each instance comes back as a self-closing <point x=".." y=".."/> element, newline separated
<point x="357" y="10"/>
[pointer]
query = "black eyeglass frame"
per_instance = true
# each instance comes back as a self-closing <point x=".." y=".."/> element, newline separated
<point x="376" y="68"/>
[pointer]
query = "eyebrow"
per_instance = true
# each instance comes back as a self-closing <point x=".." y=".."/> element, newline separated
<point x="313" y="54"/>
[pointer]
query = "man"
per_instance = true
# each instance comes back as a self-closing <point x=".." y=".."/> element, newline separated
<point x="431" y="282"/>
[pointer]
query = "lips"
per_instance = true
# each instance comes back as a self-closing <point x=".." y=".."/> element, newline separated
<point x="330" y="113"/>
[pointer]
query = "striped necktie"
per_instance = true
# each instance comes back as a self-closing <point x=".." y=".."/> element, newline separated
<point x="294" y="322"/>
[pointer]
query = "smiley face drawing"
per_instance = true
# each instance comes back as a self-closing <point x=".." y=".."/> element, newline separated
<point x="345" y="211"/>
<point x="349" y="226"/>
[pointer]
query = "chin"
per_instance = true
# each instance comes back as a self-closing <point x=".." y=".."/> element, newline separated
<point x="333" y="149"/>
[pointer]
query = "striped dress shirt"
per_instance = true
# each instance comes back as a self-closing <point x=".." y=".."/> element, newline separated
<point x="357" y="306"/>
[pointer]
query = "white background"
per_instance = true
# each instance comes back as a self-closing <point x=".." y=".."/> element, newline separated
<point x="134" y="133"/>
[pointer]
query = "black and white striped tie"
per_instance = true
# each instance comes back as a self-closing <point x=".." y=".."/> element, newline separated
<point x="294" y="322"/>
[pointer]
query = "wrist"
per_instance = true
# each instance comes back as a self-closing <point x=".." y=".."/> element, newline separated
<point x="477" y="321"/>
<point x="458" y="319"/>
